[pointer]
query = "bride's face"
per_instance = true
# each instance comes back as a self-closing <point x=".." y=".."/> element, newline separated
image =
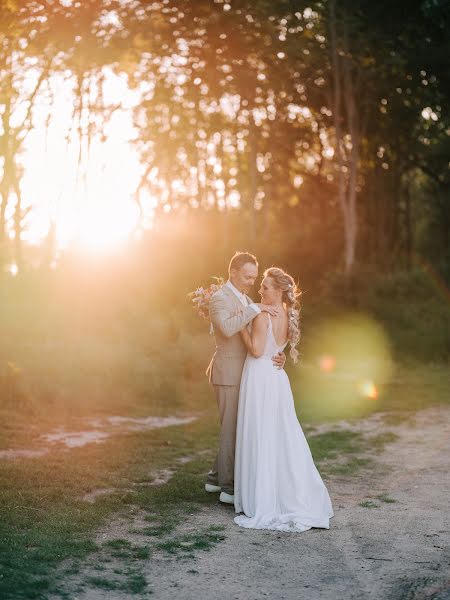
<point x="269" y="293"/>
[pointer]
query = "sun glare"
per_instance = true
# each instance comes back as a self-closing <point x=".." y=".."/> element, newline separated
<point x="99" y="232"/>
<point x="88" y="203"/>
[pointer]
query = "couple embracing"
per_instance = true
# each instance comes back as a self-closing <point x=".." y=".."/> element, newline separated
<point x="263" y="466"/>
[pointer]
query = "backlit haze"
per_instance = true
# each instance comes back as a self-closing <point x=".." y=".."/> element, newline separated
<point x="90" y="205"/>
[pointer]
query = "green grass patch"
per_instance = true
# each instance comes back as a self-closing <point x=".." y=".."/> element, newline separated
<point x="216" y="528"/>
<point x="118" y="544"/>
<point x="43" y="521"/>
<point x="160" y="530"/>
<point x="385" y="498"/>
<point x="135" y="584"/>
<point x="124" y="549"/>
<point x="141" y="552"/>
<point x="379" y="441"/>
<point x="350" y="467"/>
<point x="336" y="443"/>
<point x="103" y="582"/>
<point x="334" y="452"/>
<point x="369" y="504"/>
<point x="202" y="540"/>
<point x="341" y="452"/>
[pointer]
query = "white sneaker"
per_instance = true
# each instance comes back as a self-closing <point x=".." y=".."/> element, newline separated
<point x="226" y="498"/>
<point x="209" y="487"/>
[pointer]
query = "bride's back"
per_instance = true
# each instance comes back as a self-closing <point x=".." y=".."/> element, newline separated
<point x="277" y="332"/>
<point x="280" y="328"/>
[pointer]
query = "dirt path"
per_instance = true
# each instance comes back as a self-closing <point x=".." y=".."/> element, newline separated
<point x="98" y="430"/>
<point x="394" y="548"/>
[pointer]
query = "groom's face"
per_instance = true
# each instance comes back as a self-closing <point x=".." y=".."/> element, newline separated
<point x="244" y="278"/>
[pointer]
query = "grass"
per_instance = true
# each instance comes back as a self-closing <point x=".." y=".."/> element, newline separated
<point x="118" y="544"/>
<point x="43" y="521"/>
<point x="170" y="522"/>
<point x="385" y="498"/>
<point x="381" y="498"/>
<point x="336" y="452"/>
<point x="74" y="355"/>
<point x="349" y="467"/>
<point x="379" y="441"/>
<point x="121" y="548"/>
<point x="369" y="504"/>
<point x="333" y="443"/>
<point x="103" y="583"/>
<point x="201" y="540"/>
<point x="134" y="583"/>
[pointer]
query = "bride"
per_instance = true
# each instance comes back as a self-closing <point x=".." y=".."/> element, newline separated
<point x="277" y="485"/>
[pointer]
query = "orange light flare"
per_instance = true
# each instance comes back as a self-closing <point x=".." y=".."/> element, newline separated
<point x="368" y="389"/>
<point x="327" y="363"/>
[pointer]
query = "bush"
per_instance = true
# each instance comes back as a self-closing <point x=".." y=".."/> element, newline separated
<point x="412" y="306"/>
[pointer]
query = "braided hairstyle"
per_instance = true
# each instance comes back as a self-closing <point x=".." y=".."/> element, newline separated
<point x="291" y="294"/>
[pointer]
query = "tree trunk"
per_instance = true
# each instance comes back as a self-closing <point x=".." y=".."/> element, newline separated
<point x="253" y="181"/>
<point x="19" y="215"/>
<point x="222" y="155"/>
<point x="408" y="226"/>
<point x="353" y="127"/>
<point x="345" y="96"/>
<point x="8" y="165"/>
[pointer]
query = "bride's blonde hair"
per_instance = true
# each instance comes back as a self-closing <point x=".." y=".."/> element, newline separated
<point x="291" y="294"/>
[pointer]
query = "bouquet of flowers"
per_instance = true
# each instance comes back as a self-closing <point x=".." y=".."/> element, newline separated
<point x="201" y="296"/>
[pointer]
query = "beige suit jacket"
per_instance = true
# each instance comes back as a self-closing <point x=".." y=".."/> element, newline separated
<point x="227" y="363"/>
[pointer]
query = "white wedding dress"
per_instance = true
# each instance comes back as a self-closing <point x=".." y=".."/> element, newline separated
<point x="276" y="483"/>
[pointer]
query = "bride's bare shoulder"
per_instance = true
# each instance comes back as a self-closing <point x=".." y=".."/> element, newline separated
<point x="261" y="320"/>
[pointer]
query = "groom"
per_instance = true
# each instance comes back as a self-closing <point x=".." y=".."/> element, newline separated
<point x="230" y="310"/>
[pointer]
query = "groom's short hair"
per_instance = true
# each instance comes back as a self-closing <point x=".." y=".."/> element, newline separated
<point x="240" y="259"/>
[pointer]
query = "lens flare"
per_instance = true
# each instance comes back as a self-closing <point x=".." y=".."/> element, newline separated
<point x="327" y="363"/>
<point x="368" y="389"/>
<point x="346" y="361"/>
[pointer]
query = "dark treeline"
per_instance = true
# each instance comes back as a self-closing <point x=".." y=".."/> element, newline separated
<point x="316" y="130"/>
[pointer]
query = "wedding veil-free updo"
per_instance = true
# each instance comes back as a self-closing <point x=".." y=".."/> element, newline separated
<point x="291" y="294"/>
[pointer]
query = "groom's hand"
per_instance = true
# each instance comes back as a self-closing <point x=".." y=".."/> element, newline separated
<point x="279" y="359"/>
<point x="268" y="309"/>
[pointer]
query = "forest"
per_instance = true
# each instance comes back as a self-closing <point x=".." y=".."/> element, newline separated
<point x="142" y="143"/>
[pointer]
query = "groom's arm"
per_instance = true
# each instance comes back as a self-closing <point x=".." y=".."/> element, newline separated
<point x="229" y="325"/>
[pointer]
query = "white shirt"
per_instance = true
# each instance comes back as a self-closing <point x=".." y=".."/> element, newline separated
<point x="242" y="297"/>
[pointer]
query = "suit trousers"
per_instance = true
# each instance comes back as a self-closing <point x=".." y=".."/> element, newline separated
<point x="222" y="472"/>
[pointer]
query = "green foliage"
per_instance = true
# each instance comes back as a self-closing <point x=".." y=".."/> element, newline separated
<point x="240" y="123"/>
<point x="413" y="307"/>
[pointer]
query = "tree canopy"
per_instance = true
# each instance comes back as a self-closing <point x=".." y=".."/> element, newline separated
<point x="307" y="123"/>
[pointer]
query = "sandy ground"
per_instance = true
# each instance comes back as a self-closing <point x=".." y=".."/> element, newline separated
<point x="394" y="550"/>
<point x="104" y="428"/>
